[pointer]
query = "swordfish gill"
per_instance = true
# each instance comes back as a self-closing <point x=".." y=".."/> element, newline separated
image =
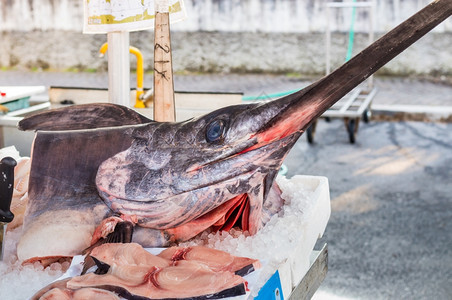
<point x="98" y="161"/>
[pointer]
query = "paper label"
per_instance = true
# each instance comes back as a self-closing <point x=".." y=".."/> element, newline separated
<point x="162" y="6"/>
<point x="103" y="16"/>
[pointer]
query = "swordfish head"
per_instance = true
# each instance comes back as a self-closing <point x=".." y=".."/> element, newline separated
<point x="174" y="173"/>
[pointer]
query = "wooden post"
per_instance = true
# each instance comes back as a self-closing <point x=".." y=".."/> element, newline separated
<point x="164" y="108"/>
<point x="118" y="68"/>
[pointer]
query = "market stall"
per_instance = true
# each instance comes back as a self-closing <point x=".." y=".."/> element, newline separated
<point x="105" y="178"/>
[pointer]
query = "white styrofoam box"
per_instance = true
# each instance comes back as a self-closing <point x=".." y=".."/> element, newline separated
<point x="309" y="229"/>
<point x="314" y="225"/>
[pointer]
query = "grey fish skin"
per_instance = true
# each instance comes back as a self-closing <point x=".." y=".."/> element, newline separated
<point x="64" y="208"/>
<point x="81" y="117"/>
<point x="170" y="173"/>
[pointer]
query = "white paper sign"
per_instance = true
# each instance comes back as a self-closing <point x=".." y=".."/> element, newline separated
<point x="103" y="16"/>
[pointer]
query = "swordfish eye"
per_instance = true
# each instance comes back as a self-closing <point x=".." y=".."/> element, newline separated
<point x="215" y="131"/>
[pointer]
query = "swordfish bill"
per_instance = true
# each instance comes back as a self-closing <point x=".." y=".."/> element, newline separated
<point x="180" y="178"/>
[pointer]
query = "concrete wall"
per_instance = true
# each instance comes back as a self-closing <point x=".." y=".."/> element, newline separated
<point x="222" y="15"/>
<point x="220" y="36"/>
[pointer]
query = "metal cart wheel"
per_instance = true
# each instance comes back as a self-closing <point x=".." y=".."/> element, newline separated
<point x="366" y="115"/>
<point x="310" y="132"/>
<point x="352" y="128"/>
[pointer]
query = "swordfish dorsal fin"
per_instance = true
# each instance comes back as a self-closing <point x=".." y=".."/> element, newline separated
<point x="85" y="116"/>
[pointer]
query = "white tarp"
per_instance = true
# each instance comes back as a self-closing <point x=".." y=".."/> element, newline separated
<point x="103" y="16"/>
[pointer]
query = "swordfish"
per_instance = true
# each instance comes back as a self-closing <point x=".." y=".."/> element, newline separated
<point x="91" y="162"/>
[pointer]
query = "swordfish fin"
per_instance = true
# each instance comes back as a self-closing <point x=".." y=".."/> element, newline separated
<point x="122" y="233"/>
<point x="84" y="116"/>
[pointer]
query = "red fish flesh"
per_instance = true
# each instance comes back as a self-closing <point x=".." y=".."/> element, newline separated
<point x="216" y="260"/>
<point x="131" y="272"/>
<point x="79" y="294"/>
<point x="176" y="273"/>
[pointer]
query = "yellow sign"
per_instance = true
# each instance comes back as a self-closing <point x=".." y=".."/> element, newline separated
<point x="103" y="16"/>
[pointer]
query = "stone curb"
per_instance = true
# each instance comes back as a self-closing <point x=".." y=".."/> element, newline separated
<point x="423" y="113"/>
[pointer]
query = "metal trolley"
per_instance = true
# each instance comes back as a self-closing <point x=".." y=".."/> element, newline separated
<point x="353" y="107"/>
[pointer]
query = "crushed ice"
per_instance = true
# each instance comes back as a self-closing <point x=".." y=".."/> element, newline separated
<point x="22" y="282"/>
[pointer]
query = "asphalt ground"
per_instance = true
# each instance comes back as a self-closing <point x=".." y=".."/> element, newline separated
<point x="390" y="230"/>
